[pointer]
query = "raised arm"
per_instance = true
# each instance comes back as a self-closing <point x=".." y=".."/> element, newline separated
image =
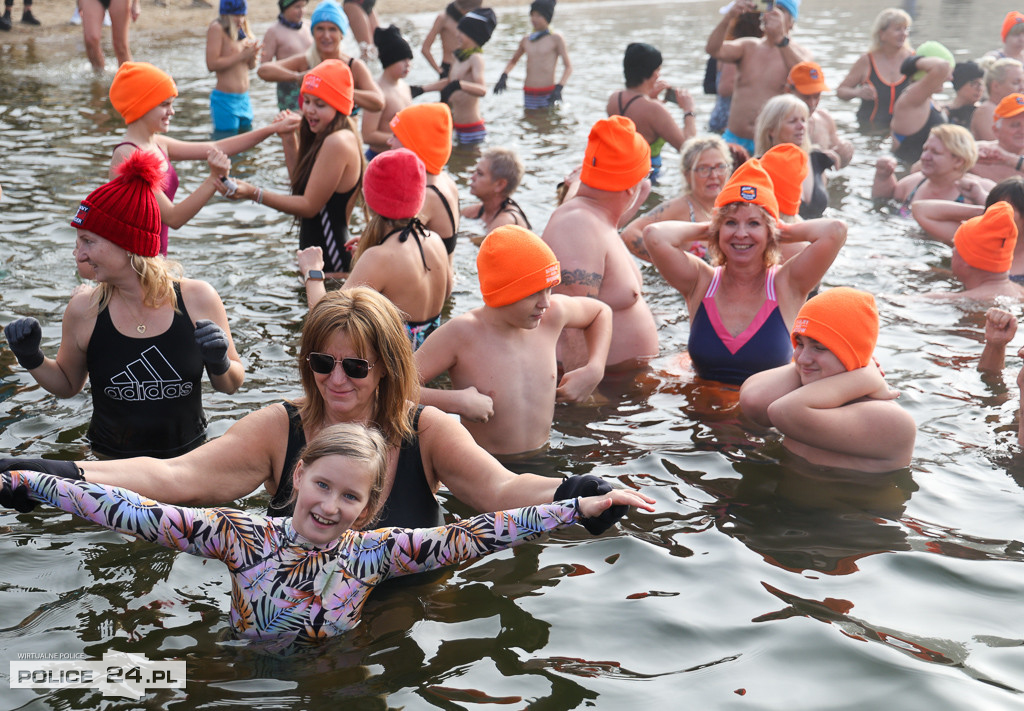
<point x="1000" y="328"/>
<point x="286" y="122"/>
<point x="667" y="243"/>
<point x="717" y="46"/>
<point x="804" y="271"/>
<point x="940" y="219"/>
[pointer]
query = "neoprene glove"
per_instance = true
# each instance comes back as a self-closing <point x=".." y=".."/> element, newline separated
<point x="450" y="88"/>
<point x="213" y="346"/>
<point x="502" y="83"/>
<point x="590" y="485"/>
<point x="909" y="66"/>
<point x="556" y="93"/>
<point x="18" y="499"/>
<point x="415" y="90"/>
<point x="24" y="336"/>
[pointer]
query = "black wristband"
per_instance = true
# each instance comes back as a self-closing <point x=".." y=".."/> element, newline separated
<point x="909" y="66"/>
<point x="784" y="42"/>
<point x="29" y="361"/>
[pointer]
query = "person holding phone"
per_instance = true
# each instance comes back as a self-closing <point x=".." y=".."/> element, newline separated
<point x="762" y="63"/>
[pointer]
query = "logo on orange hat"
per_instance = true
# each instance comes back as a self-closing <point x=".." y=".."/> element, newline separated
<point x="748" y="192"/>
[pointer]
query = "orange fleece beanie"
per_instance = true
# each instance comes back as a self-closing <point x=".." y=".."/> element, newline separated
<point x="750" y="183"/>
<point x="987" y="241"/>
<point x="787" y="166"/>
<point x="139" y="87"/>
<point x="617" y="157"/>
<point x="426" y="130"/>
<point x="514" y="263"/>
<point x="845" y="321"/>
<point x="331" y="80"/>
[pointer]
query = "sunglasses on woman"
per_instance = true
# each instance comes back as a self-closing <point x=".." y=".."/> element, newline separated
<point x="323" y="364"/>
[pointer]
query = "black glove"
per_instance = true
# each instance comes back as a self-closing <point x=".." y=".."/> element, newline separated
<point x="556" y="94"/>
<point x="909" y="66"/>
<point x="450" y="88"/>
<point x="416" y="90"/>
<point x="24" y="336"/>
<point x="502" y="83"/>
<point x="213" y="346"/>
<point x="18" y="499"/>
<point x="590" y="485"/>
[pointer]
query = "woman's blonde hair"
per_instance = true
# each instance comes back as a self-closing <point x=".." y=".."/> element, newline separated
<point x="373" y="325"/>
<point x="959" y="142"/>
<point x="225" y="23"/>
<point x="694" y="148"/>
<point x="996" y="71"/>
<point x="157" y="276"/>
<point x="359" y="443"/>
<point x="772" y="253"/>
<point x="771" y="118"/>
<point x="887" y="18"/>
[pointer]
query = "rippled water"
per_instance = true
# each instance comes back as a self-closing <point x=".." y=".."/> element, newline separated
<point x="758" y="584"/>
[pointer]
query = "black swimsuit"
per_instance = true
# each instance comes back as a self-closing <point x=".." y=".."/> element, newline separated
<point x="449" y="242"/>
<point x="411" y="503"/>
<point x="511" y="207"/>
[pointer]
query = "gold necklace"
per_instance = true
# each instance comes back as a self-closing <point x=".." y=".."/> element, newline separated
<point x="141" y="328"/>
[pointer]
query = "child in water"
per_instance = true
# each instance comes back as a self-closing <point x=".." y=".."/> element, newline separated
<point x="305" y="578"/>
<point x="543" y="48"/>
<point x="231" y="51"/>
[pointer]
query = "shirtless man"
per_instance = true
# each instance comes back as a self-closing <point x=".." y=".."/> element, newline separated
<point x="543" y="48"/>
<point x="231" y="51"/>
<point x="639" y="102"/>
<point x="762" y="64"/>
<point x="1002" y="78"/>
<point x="396" y="57"/>
<point x="501" y="356"/>
<point x="982" y="256"/>
<point x="446" y="26"/>
<point x="583" y="234"/>
<point x="465" y="84"/>
<point x="806" y="81"/>
<point x="285" y="38"/>
<point x="1004" y="157"/>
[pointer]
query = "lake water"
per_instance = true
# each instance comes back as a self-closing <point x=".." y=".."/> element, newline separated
<point x="757" y="584"/>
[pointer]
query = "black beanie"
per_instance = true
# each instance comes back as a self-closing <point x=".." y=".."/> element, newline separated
<point x="478" y="25"/>
<point x="640" y="62"/>
<point x="966" y="72"/>
<point x="544" y="8"/>
<point x="391" y="46"/>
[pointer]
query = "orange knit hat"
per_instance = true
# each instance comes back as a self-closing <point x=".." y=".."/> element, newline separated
<point x="845" y="321"/>
<point x="987" y="241"/>
<point x="139" y="87"/>
<point x="617" y="157"/>
<point x="331" y="80"/>
<point x="1009" y="105"/>
<point x="514" y="263"/>
<point x="750" y="183"/>
<point x="426" y="130"/>
<point x="787" y="166"/>
<point x="1012" y="19"/>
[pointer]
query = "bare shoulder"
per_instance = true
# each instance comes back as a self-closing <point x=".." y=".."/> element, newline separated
<point x="195" y="292"/>
<point x="80" y="305"/>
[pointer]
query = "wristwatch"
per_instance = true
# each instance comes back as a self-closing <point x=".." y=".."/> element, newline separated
<point x="784" y="42"/>
<point x="314" y="274"/>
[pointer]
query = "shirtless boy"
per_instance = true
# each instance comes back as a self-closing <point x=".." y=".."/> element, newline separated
<point x="583" y="234"/>
<point x="231" y="51"/>
<point x="762" y="64"/>
<point x="285" y="38"/>
<point x="465" y="84"/>
<point x="501" y="356"/>
<point x="446" y="26"/>
<point x="543" y="48"/>
<point x="395" y="56"/>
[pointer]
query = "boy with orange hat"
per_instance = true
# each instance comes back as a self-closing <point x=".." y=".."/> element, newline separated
<point x="806" y="81"/>
<point x="501" y="356"/>
<point x="832" y="404"/>
<point x="583" y="233"/>
<point x="982" y="256"/>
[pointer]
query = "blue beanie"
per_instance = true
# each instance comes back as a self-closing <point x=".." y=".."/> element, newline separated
<point x="233" y="7"/>
<point x="329" y="11"/>
<point x="790" y="6"/>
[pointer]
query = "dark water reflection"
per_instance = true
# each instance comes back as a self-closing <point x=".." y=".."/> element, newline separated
<point x="757" y="584"/>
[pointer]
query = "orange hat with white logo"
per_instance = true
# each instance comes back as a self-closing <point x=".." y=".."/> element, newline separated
<point x="750" y="183"/>
<point x="514" y="263"/>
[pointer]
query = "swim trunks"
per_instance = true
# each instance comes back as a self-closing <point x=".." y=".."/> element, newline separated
<point x="537" y="97"/>
<point x="718" y="355"/>
<point x="468" y="133"/>
<point x="747" y="143"/>
<point x="230" y="112"/>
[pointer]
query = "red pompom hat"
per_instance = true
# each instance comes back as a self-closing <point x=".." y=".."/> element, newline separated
<point x="125" y="210"/>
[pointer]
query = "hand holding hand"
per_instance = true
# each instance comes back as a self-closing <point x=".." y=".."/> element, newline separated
<point x="220" y="164"/>
<point x="286" y="122"/>
<point x="592" y="507"/>
<point x="24" y="336"/>
<point x="18" y="498"/>
<point x="213" y="346"/>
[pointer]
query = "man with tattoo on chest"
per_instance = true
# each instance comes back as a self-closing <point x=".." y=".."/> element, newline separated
<point x="583" y="234"/>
